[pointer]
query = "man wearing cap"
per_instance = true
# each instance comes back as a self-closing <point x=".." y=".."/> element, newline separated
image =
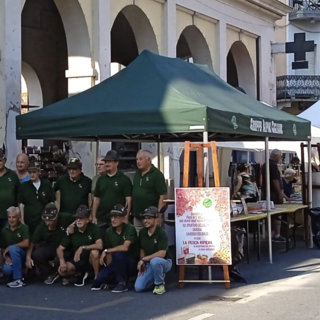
<point x="73" y="189"/>
<point x="112" y="188"/>
<point x="46" y="239"/>
<point x="14" y="242"/>
<point x="85" y="243"/>
<point x="155" y="259"/>
<point x="101" y="170"/>
<point x="149" y="188"/>
<point x="33" y="196"/>
<point x="22" y="163"/>
<point x="121" y="243"/>
<point x="9" y="186"/>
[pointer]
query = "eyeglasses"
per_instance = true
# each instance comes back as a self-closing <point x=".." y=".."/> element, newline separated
<point x="99" y="164"/>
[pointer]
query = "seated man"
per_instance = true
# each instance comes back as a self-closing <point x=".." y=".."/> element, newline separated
<point x="47" y="237"/>
<point x="155" y="258"/>
<point x="14" y="242"/>
<point x="85" y="243"/>
<point x="122" y="244"/>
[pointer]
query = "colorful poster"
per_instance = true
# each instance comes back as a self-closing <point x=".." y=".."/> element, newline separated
<point x="203" y="226"/>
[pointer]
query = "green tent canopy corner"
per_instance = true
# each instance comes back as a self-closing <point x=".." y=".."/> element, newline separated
<point x="163" y="99"/>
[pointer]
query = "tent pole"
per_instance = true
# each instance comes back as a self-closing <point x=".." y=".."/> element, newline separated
<point x="206" y="181"/>
<point x="159" y="152"/>
<point x="309" y="191"/>
<point x="267" y="182"/>
<point x="97" y="154"/>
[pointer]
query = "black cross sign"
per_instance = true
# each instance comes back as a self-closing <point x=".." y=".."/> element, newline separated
<point x="299" y="47"/>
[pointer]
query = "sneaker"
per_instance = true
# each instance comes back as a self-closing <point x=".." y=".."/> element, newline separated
<point x="65" y="281"/>
<point x="279" y="239"/>
<point x="96" y="286"/>
<point x="120" y="288"/>
<point x="81" y="279"/>
<point x="16" y="284"/>
<point x="160" y="289"/>
<point x="52" y="278"/>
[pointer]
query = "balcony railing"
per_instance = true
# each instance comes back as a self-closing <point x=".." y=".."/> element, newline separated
<point x="305" y="10"/>
<point x="298" y="88"/>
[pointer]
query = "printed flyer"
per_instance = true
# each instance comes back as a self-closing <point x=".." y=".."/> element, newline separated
<point x="203" y="226"/>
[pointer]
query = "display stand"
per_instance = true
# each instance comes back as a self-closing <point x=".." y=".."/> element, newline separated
<point x="200" y="174"/>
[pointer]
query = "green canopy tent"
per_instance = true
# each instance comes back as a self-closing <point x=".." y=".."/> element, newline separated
<point x="162" y="99"/>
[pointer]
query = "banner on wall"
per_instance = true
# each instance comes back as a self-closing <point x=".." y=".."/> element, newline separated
<point x="203" y="226"/>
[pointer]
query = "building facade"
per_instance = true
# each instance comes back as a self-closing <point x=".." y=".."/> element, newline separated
<point x="298" y="89"/>
<point x="62" y="47"/>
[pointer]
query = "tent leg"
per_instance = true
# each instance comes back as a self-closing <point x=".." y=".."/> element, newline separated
<point x="97" y="154"/>
<point x="159" y="154"/>
<point x="268" y="197"/>
<point x="309" y="191"/>
<point x="206" y="181"/>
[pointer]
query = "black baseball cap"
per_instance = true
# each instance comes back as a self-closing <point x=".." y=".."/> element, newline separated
<point x="118" y="211"/>
<point x="74" y="163"/>
<point x="151" y="212"/>
<point x="50" y="212"/>
<point x="82" y="212"/>
<point x="111" y="156"/>
<point x="34" y="166"/>
<point x="2" y="154"/>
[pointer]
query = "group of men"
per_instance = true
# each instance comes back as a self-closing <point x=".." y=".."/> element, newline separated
<point x="80" y="225"/>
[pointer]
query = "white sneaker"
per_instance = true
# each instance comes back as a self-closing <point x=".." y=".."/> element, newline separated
<point x="16" y="284"/>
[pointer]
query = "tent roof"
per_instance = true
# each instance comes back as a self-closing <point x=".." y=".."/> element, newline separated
<point x="160" y="98"/>
<point x="312" y="114"/>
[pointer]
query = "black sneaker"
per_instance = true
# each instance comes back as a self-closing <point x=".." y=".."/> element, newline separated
<point x="52" y="278"/>
<point x="81" y="279"/>
<point x="16" y="284"/>
<point x="120" y="288"/>
<point x="96" y="286"/>
<point x="279" y="239"/>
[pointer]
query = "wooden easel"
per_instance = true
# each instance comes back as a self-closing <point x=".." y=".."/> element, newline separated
<point x="200" y="174"/>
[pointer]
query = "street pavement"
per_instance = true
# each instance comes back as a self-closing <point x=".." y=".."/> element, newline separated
<point x="286" y="289"/>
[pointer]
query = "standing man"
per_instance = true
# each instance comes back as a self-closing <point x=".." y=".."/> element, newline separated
<point x="22" y="164"/>
<point x="276" y="194"/>
<point x="14" y="242"/>
<point x="9" y="186"/>
<point x="122" y="245"/>
<point x="149" y="188"/>
<point x="112" y="188"/>
<point x="33" y="196"/>
<point x="86" y="244"/>
<point x="73" y="189"/>
<point x="47" y="237"/>
<point x="155" y="260"/>
<point x="101" y="170"/>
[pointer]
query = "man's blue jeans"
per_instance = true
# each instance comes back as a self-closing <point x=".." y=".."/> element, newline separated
<point x="18" y="258"/>
<point x="119" y="269"/>
<point x="154" y="274"/>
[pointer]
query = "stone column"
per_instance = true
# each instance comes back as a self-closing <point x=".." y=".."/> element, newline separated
<point x="169" y="29"/>
<point x="10" y="76"/>
<point x="220" y="64"/>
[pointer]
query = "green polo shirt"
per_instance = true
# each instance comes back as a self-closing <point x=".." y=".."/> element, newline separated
<point x="73" y="194"/>
<point x="9" y="237"/>
<point x="128" y="233"/>
<point x="79" y="239"/>
<point x="111" y="191"/>
<point x="9" y="187"/>
<point x="147" y="190"/>
<point x="35" y="201"/>
<point x="53" y="237"/>
<point x="154" y="243"/>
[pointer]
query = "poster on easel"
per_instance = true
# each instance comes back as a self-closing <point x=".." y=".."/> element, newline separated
<point x="203" y="234"/>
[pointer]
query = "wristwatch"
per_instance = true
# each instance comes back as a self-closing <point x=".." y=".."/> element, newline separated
<point x="105" y="250"/>
<point x="84" y="247"/>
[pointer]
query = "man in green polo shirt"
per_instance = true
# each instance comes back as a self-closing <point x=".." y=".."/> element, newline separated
<point x="46" y="239"/>
<point x="149" y="188"/>
<point x="73" y="189"/>
<point x="33" y="196"/>
<point x="86" y="244"/>
<point x="121" y="243"/>
<point x="14" y="242"/>
<point x="155" y="259"/>
<point x="9" y="186"/>
<point x="112" y="188"/>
